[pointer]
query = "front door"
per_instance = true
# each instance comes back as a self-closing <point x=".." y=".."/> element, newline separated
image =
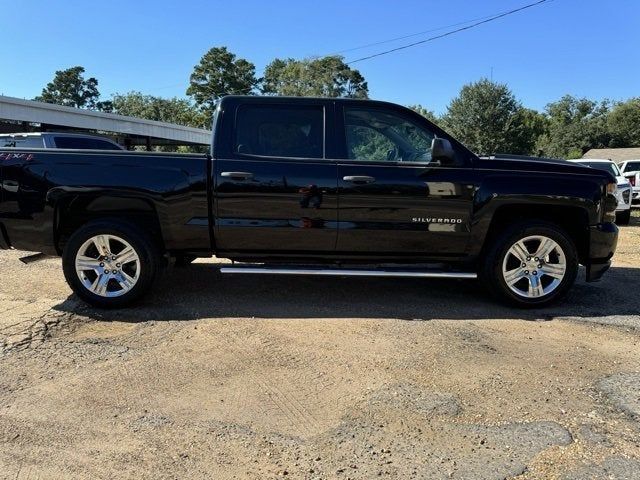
<point x="275" y="191"/>
<point x="394" y="200"/>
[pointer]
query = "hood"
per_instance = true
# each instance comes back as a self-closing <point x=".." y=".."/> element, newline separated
<point x="540" y="164"/>
<point x="622" y="181"/>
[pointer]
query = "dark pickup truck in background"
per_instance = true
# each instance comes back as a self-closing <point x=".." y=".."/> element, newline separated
<point x="57" y="140"/>
<point x="314" y="187"/>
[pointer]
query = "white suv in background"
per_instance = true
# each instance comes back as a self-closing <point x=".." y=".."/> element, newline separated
<point x="631" y="170"/>
<point x="623" y="192"/>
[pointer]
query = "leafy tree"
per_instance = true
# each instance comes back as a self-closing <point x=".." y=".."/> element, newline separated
<point x="220" y="73"/>
<point x="322" y="77"/>
<point x="488" y="118"/>
<point x="575" y="125"/>
<point x="70" y="88"/>
<point x="105" y="106"/>
<point x="171" y="110"/>
<point x="426" y="113"/>
<point x="623" y="124"/>
<point x="536" y="126"/>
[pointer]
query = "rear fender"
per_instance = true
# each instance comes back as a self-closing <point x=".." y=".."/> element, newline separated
<point x="74" y="209"/>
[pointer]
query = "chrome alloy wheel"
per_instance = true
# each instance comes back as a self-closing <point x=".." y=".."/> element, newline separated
<point x="534" y="266"/>
<point x="107" y="265"/>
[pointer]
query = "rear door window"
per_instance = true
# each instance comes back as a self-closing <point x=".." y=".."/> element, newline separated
<point x="280" y="131"/>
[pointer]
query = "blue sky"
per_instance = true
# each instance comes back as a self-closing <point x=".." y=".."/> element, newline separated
<point x="582" y="47"/>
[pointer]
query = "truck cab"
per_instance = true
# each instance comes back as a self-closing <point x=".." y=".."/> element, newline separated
<point x="338" y="178"/>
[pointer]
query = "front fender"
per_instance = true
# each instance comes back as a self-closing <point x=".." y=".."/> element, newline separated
<point x="533" y="195"/>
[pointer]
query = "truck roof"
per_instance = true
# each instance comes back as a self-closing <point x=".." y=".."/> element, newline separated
<point x="293" y="100"/>
<point x="298" y="99"/>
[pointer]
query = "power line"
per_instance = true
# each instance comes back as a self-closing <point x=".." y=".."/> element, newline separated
<point x="446" y="34"/>
<point x="404" y="37"/>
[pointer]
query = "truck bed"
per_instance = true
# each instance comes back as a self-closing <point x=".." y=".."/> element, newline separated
<point x="42" y="188"/>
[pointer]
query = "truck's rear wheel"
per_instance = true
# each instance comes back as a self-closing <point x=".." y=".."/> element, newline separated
<point x="110" y="264"/>
<point x="531" y="265"/>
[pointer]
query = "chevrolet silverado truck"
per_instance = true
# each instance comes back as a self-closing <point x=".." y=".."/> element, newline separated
<point x="311" y="186"/>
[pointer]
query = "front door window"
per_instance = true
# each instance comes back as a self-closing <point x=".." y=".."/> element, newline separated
<point x="381" y="136"/>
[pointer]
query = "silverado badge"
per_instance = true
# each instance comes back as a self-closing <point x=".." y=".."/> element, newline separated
<point x="436" y="220"/>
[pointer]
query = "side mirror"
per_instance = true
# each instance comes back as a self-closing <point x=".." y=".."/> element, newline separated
<point x="442" y="151"/>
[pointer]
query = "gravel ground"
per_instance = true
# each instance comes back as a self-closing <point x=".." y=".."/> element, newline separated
<point x="269" y="377"/>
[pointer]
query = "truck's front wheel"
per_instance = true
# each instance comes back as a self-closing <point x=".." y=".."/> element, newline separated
<point x="110" y="264"/>
<point x="531" y="265"/>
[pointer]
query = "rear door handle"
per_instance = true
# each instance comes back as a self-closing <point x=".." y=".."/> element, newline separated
<point x="359" y="179"/>
<point x="237" y="175"/>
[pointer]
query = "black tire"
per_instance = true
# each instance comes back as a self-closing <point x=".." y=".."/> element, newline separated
<point x="623" y="218"/>
<point x="491" y="269"/>
<point x="150" y="261"/>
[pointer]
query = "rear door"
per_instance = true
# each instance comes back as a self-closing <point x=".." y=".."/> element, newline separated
<point x="394" y="200"/>
<point x="275" y="184"/>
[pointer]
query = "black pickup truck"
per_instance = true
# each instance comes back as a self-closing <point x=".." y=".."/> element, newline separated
<point x="311" y="186"/>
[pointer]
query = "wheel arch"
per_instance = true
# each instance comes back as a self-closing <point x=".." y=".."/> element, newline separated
<point x="572" y="219"/>
<point x="74" y="211"/>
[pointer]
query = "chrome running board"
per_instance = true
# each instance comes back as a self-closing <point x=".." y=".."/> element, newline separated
<point x="348" y="273"/>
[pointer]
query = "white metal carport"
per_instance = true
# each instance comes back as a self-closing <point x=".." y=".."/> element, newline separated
<point x="134" y="131"/>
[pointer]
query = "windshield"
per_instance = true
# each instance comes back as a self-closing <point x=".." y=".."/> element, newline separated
<point x="606" y="166"/>
<point x="632" y="166"/>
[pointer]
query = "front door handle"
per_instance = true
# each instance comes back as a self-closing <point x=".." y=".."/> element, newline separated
<point x="237" y="175"/>
<point x="359" y="179"/>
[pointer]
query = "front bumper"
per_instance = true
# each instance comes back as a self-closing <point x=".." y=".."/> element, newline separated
<point x="603" y="239"/>
<point x="635" y="195"/>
